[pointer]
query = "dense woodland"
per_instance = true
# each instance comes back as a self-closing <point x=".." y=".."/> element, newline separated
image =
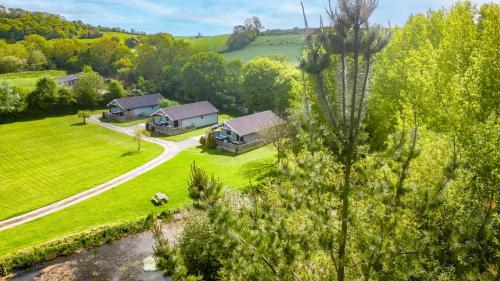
<point x="387" y="170"/>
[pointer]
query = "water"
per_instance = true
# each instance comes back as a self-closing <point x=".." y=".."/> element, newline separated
<point x="120" y="260"/>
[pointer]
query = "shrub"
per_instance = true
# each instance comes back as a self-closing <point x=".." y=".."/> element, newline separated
<point x="210" y="141"/>
<point x="10" y="64"/>
<point x="203" y="141"/>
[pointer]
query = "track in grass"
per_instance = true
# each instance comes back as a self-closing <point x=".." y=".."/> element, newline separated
<point x="45" y="160"/>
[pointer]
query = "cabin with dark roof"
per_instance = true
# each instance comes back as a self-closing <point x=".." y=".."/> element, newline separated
<point x="130" y="108"/>
<point x="68" y="80"/>
<point x="246" y="133"/>
<point x="182" y="118"/>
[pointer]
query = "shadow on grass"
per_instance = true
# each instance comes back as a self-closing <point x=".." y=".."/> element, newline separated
<point x="78" y="124"/>
<point x="259" y="169"/>
<point x="217" y="152"/>
<point x="130" y="153"/>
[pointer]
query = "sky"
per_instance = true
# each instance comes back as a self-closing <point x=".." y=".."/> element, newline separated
<point x="211" y="17"/>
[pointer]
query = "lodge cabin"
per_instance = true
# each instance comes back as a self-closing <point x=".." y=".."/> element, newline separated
<point x="245" y="133"/>
<point x="130" y="108"/>
<point x="68" y="80"/>
<point x="182" y="118"/>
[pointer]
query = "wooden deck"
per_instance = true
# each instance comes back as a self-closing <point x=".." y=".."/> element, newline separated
<point x="240" y="148"/>
<point x="172" y="131"/>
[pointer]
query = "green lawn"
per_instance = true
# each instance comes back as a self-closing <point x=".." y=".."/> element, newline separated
<point x="27" y="80"/>
<point x="49" y="159"/>
<point x="289" y="46"/>
<point x="132" y="199"/>
<point x="124" y="124"/>
<point x="198" y="132"/>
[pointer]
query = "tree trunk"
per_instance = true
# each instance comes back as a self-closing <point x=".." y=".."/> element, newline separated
<point x="344" y="216"/>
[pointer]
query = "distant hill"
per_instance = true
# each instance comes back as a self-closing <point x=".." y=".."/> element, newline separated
<point x="285" y="44"/>
<point x="15" y="24"/>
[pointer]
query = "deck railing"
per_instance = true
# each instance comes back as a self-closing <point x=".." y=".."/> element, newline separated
<point x="240" y="148"/>
<point x="123" y="118"/>
<point x="172" y="131"/>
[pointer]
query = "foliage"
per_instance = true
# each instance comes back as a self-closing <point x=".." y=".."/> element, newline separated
<point x="115" y="91"/>
<point x="11" y="100"/>
<point x="132" y="42"/>
<point x="444" y="60"/>
<point x="87" y="89"/>
<point x="11" y="64"/>
<point x="18" y="23"/>
<point x="168" y="103"/>
<point x="202" y="189"/>
<point x="45" y="96"/>
<point x="268" y="84"/>
<point x="244" y="34"/>
<point x="84" y="114"/>
<point x="139" y="134"/>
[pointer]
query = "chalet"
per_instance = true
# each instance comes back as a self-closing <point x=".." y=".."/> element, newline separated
<point x="125" y="109"/>
<point x="68" y="80"/>
<point x="245" y="133"/>
<point x="178" y="119"/>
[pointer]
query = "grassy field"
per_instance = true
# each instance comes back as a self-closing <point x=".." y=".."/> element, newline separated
<point x="288" y="46"/>
<point x="49" y="159"/>
<point x="122" y="36"/>
<point x="27" y="80"/>
<point x="198" y="132"/>
<point x="211" y="43"/>
<point x="132" y="199"/>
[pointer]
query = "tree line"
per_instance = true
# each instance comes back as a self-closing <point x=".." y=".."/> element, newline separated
<point x="388" y="167"/>
<point x="161" y="64"/>
<point x="15" y="24"/>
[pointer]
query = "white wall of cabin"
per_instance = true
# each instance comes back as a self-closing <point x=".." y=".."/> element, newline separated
<point x="200" y="121"/>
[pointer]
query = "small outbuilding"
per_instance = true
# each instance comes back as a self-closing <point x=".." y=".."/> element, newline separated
<point x="178" y="119"/>
<point x="126" y="109"/>
<point x="68" y="80"/>
<point x="246" y="133"/>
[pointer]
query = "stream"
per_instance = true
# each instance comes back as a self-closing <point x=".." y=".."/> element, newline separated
<point x="127" y="259"/>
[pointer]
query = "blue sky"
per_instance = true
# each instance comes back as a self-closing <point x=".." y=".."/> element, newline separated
<point x="187" y="17"/>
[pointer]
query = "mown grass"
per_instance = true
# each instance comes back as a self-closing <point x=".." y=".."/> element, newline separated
<point x="197" y="132"/>
<point x="210" y="43"/>
<point x="288" y="46"/>
<point x="27" y="80"/>
<point x="48" y="159"/>
<point x="133" y="199"/>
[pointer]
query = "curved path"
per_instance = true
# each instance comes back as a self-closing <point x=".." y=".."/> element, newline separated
<point x="170" y="149"/>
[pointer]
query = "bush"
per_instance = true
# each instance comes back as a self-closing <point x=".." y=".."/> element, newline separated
<point x="10" y="64"/>
<point x="199" y="247"/>
<point x="168" y="103"/>
<point x="210" y="142"/>
<point x="203" y="141"/>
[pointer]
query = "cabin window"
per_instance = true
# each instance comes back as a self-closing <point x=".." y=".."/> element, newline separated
<point x="152" y="106"/>
<point x="201" y="117"/>
<point x="128" y="109"/>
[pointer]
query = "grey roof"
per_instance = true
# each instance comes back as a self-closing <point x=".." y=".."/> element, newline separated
<point x="138" y="101"/>
<point x="67" y="78"/>
<point x="188" y="110"/>
<point x="254" y="123"/>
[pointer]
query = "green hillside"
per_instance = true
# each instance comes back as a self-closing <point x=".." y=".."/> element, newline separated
<point x="288" y="45"/>
<point x="27" y="79"/>
<point x="211" y="43"/>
